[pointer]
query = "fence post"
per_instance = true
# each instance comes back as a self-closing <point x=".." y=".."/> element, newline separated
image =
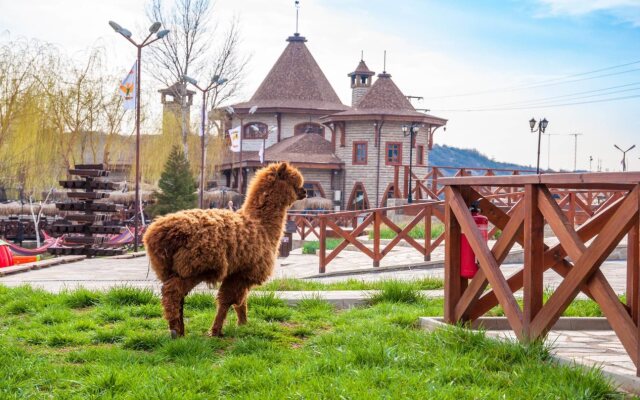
<point x="323" y="245"/>
<point x="533" y="258"/>
<point x="376" y="238"/>
<point x="452" y="280"/>
<point x="427" y="232"/>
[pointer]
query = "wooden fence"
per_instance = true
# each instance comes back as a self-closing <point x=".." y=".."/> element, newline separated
<point x="373" y="219"/>
<point x="617" y="216"/>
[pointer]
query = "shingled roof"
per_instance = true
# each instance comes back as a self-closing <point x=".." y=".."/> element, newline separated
<point x="307" y="148"/>
<point x="295" y="81"/>
<point x="385" y="99"/>
<point x="362" y="69"/>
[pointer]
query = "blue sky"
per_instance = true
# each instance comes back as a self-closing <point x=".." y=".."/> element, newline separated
<point x="435" y="49"/>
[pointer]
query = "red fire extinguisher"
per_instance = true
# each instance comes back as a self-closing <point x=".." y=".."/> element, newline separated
<point x="468" y="263"/>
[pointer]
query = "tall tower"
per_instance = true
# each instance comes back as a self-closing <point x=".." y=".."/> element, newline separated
<point x="360" y="82"/>
<point x="172" y="100"/>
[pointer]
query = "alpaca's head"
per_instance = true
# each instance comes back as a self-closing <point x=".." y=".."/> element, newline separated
<point x="277" y="185"/>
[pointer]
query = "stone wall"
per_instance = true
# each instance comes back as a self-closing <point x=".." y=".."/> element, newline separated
<point x="366" y="174"/>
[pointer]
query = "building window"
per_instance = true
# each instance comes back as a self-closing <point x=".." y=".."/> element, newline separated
<point x="314" y="189"/>
<point x="359" y="153"/>
<point x="420" y="154"/>
<point x="394" y="153"/>
<point x="255" y="130"/>
<point x="358" y="199"/>
<point x="308" y="127"/>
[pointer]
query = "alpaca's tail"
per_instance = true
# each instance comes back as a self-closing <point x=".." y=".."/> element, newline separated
<point x="160" y="242"/>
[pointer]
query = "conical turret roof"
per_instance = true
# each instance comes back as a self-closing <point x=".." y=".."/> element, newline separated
<point x="362" y="69"/>
<point x="295" y="81"/>
<point x="385" y="99"/>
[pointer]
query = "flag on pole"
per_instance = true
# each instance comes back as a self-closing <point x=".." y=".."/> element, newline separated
<point x="235" y="136"/>
<point x="127" y="88"/>
<point x="261" y="153"/>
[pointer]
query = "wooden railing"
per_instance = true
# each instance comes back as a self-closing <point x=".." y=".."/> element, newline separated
<point x="428" y="187"/>
<point x="308" y="224"/>
<point x="619" y="215"/>
<point x="374" y="218"/>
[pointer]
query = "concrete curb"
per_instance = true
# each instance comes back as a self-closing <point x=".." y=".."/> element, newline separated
<point x="390" y="268"/>
<point x="40" y="264"/>
<point x="627" y="383"/>
<point x="137" y="254"/>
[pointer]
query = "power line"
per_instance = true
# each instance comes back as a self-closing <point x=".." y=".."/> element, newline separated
<point x="539" y="106"/>
<point x="570" y="95"/>
<point x="547" y="82"/>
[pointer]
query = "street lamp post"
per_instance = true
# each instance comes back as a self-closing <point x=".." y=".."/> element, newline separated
<point x="215" y="82"/>
<point x="542" y="126"/>
<point x="624" y="156"/>
<point x="413" y="129"/>
<point x="127" y="35"/>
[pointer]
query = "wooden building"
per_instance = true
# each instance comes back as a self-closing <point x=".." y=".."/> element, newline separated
<point x="354" y="154"/>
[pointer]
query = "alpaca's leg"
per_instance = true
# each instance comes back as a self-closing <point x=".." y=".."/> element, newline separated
<point x="233" y="291"/>
<point x="173" y="292"/>
<point x="241" y="308"/>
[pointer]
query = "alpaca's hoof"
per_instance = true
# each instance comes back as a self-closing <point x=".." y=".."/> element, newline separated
<point x="215" y="334"/>
<point x="174" y="334"/>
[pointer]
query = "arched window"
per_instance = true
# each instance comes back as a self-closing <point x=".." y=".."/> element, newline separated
<point x="255" y="130"/>
<point x="389" y="193"/>
<point x="358" y="199"/>
<point x="308" y="127"/>
<point x="314" y="189"/>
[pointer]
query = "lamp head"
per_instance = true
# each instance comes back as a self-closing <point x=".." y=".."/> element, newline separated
<point x="415" y="129"/>
<point x="405" y="129"/>
<point x="214" y="79"/>
<point x="116" y="27"/>
<point x="543" y="124"/>
<point x="162" y="33"/>
<point x="125" y="32"/>
<point x="222" y="80"/>
<point x="190" y="80"/>
<point x="532" y="123"/>
<point x="155" y="27"/>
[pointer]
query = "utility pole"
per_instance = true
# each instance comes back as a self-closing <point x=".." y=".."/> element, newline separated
<point x="548" y="135"/>
<point x="575" y="149"/>
<point x="590" y="163"/>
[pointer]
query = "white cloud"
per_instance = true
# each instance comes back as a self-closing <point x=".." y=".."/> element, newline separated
<point x="625" y="10"/>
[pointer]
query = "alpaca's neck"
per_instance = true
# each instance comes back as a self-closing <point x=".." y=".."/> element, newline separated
<point x="271" y="217"/>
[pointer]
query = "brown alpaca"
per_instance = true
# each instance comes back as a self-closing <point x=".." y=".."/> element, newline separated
<point x="236" y="248"/>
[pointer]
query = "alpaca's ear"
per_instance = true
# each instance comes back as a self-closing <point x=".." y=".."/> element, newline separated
<point x="282" y="170"/>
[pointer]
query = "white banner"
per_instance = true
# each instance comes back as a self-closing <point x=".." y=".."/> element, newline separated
<point x="261" y="153"/>
<point x="235" y="135"/>
<point x="127" y="88"/>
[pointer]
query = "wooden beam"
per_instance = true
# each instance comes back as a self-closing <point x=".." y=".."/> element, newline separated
<point x="487" y="262"/>
<point x="553" y="256"/>
<point x="452" y="278"/>
<point x="500" y="251"/>
<point x="533" y="258"/>
<point x="592" y="258"/>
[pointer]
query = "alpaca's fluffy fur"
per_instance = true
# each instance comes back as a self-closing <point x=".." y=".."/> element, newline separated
<point x="237" y="249"/>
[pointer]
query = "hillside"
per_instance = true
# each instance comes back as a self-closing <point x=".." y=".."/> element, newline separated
<point x="443" y="155"/>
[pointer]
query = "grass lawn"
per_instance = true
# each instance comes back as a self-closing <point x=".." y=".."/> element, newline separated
<point x="115" y="344"/>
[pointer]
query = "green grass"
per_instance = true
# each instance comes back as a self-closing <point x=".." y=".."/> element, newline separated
<point x="311" y="247"/>
<point x="417" y="232"/>
<point x="92" y="345"/>
<point x="291" y="284"/>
